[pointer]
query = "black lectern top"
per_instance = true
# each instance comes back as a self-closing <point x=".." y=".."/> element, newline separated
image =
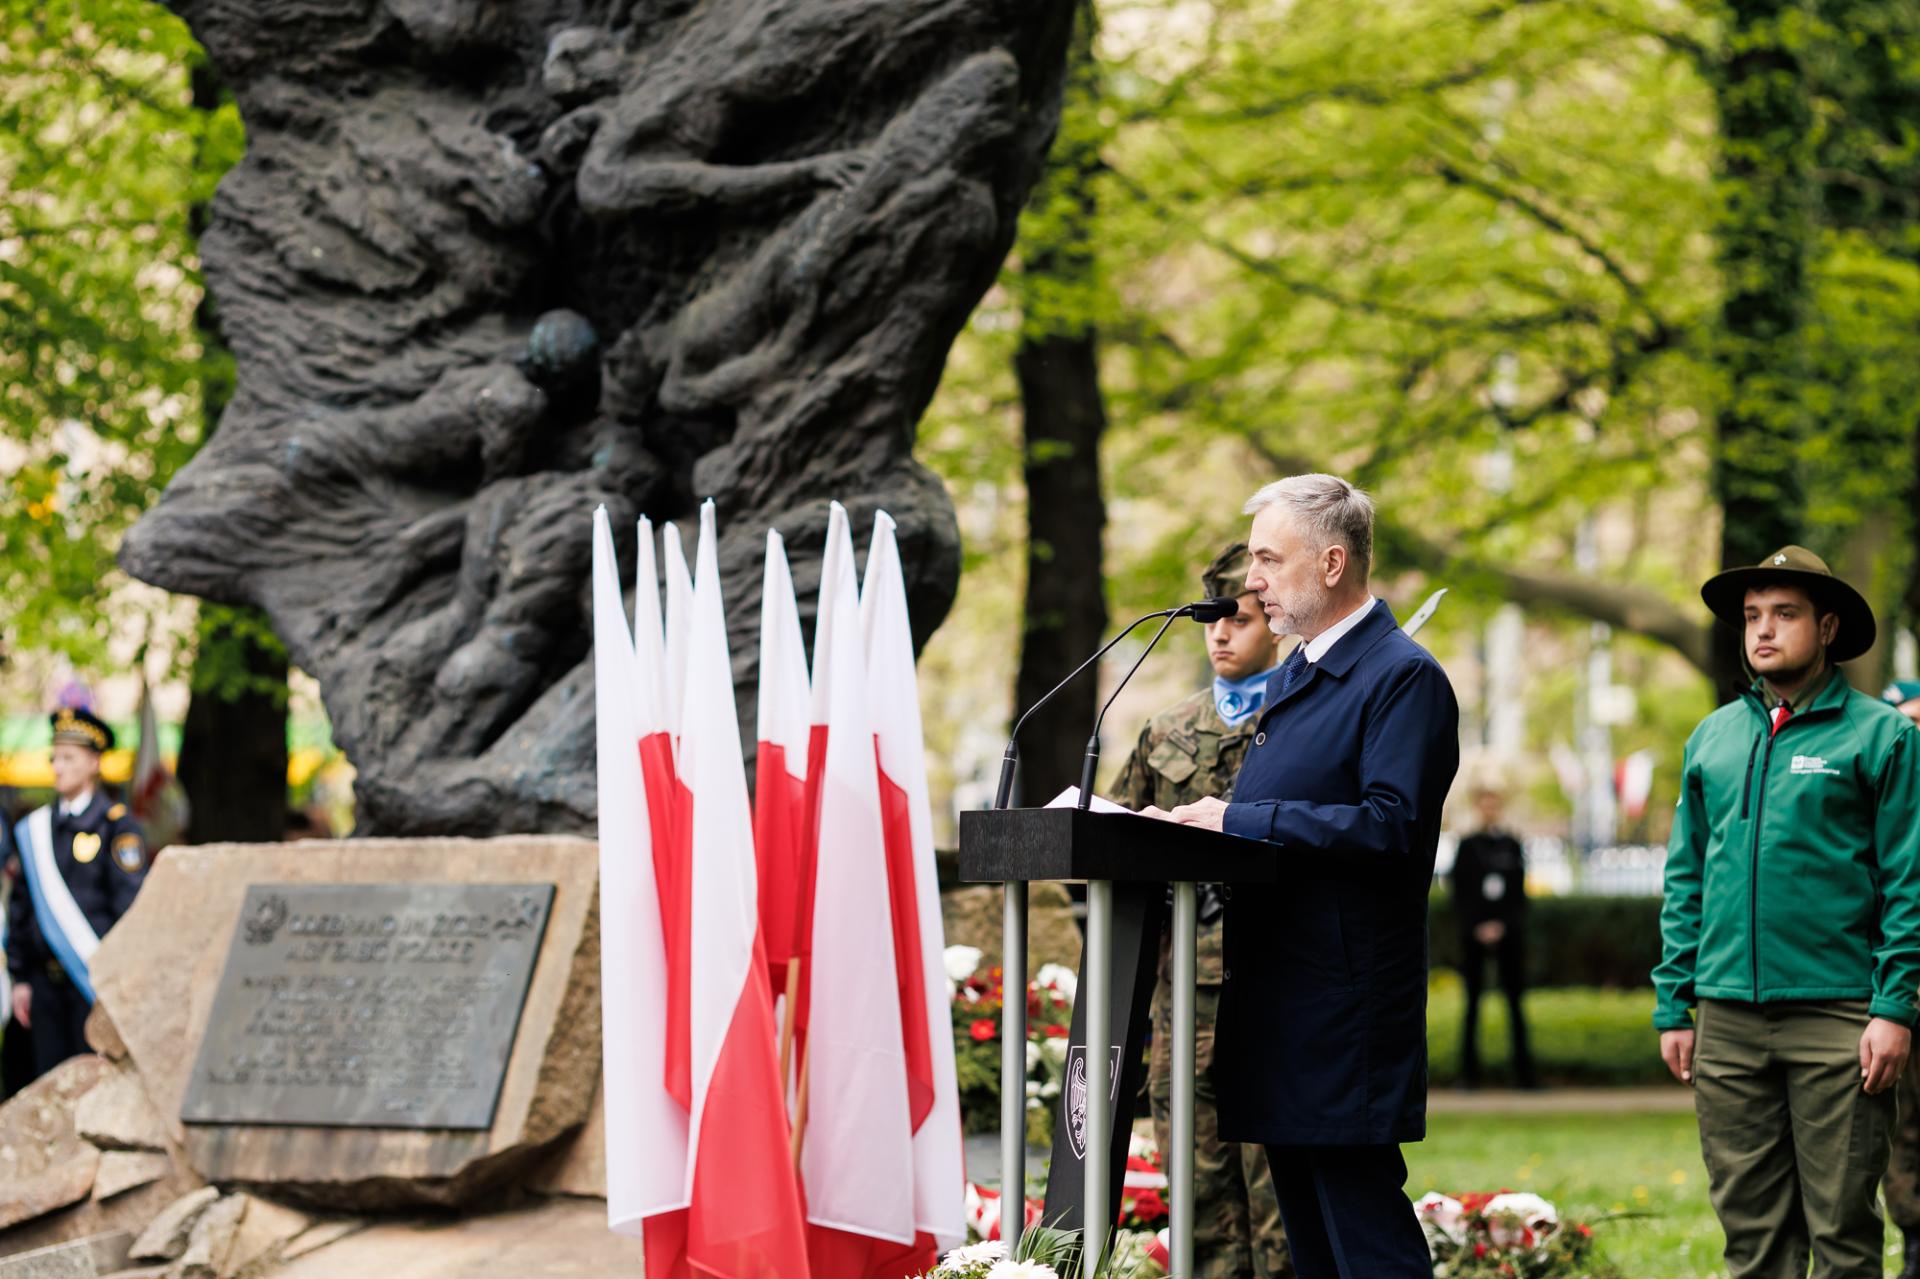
<point x="1067" y="843"/>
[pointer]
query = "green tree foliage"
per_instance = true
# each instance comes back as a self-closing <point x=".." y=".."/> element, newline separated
<point x="102" y="156"/>
<point x="1481" y="257"/>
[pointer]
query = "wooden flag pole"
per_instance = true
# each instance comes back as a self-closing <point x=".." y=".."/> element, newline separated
<point x="786" y="1021"/>
<point x="800" y="1107"/>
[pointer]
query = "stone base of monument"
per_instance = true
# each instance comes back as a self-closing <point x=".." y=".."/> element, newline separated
<point x="379" y="978"/>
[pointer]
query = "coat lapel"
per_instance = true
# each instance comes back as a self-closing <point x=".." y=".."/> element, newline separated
<point x="1348" y="650"/>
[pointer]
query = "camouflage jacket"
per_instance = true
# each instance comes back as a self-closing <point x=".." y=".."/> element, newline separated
<point x="1186" y="752"/>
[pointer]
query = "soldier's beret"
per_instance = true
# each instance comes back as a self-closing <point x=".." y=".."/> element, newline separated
<point x="1227" y="575"/>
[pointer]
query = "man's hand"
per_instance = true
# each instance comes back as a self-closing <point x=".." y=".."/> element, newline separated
<point x="1883" y="1054"/>
<point x="1489" y="932"/>
<point x="1676" y="1049"/>
<point x="23" y="1005"/>
<point x="1206" y="813"/>
<point x="1156" y="812"/>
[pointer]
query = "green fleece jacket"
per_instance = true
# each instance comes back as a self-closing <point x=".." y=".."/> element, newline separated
<point x="1793" y="871"/>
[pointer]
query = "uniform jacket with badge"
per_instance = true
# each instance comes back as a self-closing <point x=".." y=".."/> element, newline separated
<point x="1185" y="753"/>
<point x="1793" y="870"/>
<point x="102" y="856"/>
<point x="1322" y="1039"/>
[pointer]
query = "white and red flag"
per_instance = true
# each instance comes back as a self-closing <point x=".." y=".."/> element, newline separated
<point x="745" y="1217"/>
<point x="155" y="794"/>
<point x="857" y="1158"/>
<point x="780" y="761"/>
<point x="679" y="625"/>
<point x="939" y="1174"/>
<point x="646" y="1127"/>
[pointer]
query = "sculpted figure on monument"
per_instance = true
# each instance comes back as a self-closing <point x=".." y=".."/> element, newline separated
<point x="487" y="265"/>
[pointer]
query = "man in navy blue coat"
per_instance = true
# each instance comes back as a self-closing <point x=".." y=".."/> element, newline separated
<point x="1321" y="1051"/>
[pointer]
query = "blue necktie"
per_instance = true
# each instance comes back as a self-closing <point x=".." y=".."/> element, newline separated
<point x="1293" y="668"/>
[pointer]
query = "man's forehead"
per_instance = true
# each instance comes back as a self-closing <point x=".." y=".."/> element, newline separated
<point x="1777" y="595"/>
<point x="1271" y="531"/>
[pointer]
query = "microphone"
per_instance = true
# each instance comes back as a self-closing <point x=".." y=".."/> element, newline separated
<point x="1209" y="610"/>
<point x="1218" y="609"/>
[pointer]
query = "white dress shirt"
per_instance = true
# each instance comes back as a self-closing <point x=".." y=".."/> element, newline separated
<point x="78" y="804"/>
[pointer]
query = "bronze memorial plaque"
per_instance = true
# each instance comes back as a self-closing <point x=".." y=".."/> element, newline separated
<point x="369" y="1005"/>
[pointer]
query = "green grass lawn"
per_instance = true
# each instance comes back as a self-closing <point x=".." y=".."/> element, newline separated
<point x="1591" y="1166"/>
<point x="1579" y="1035"/>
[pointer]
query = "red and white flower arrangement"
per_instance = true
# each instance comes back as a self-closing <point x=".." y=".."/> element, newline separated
<point x="1504" y="1235"/>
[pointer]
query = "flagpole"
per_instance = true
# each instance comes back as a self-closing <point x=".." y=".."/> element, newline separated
<point x="800" y="1107"/>
<point x="787" y="1017"/>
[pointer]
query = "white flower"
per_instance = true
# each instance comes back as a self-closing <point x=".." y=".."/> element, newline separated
<point x="961" y="1260"/>
<point x="962" y="962"/>
<point x="1441" y="1217"/>
<point x="1510" y="1216"/>
<point x="1033" y="1056"/>
<point x="1022" y="1270"/>
<point x="1055" y="1051"/>
<point x="1058" y="976"/>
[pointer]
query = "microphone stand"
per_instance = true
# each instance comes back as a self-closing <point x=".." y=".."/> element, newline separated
<point x="1010" y="760"/>
<point x="1092" y="760"/>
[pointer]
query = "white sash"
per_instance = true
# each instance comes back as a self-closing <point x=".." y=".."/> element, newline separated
<point x="64" y="926"/>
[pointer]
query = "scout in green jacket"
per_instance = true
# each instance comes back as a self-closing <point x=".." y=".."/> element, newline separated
<point x="1791" y="929"/>
<point x="1194" y="748"/>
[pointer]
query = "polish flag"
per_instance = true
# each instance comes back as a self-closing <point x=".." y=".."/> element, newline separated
<point x="780" y="772"/>
<point x="667" y="810"/>
<point x="744" y="1218"/>
<point x="832" y="580"/>
<point x="858" y="1155"/>
<point x="939" y="1175"/>
<point x="679" y="619"/>
<point x="646" y="1143"/>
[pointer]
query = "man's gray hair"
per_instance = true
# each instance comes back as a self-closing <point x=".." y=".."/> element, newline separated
<point x="1329" y="508"/>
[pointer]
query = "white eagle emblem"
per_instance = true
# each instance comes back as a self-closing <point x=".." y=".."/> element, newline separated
<point x="1779" y="559"/>
<point x="1077" y="1104"/>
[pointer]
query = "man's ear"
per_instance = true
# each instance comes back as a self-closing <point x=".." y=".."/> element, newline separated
<point x="1829" y="628"/>
<point x="1333" y="564"/>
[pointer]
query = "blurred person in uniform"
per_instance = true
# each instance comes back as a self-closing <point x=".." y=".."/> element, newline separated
<point x="16" y="1045"/>
<point x="1191" y="749"/>
<point x="1489" y="879"/>
<point x="82" y="860"/>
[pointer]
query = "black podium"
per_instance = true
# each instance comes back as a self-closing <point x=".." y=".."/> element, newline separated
<point x="1127" y="862"/>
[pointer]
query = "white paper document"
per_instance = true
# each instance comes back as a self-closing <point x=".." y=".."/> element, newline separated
<point x="1070" y="798"/>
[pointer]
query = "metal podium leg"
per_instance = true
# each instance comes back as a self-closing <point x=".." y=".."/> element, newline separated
<point x="1179" y="1160"/>
<point x="1098" y="1216"/>
<point x="1013" y="1066"/>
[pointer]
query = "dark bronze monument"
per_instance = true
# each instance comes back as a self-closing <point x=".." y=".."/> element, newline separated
<point x="488" y="264"/>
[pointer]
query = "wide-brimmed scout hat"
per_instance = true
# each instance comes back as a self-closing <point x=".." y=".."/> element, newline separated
<point x="1227" y="575"/>
<point x="1726" y="594"/>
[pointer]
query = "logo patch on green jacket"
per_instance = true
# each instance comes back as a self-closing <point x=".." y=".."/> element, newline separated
<point x="1812" y="764"/>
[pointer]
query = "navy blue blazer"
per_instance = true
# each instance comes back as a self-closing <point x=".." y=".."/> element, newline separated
<point x="1322" y="1031"/>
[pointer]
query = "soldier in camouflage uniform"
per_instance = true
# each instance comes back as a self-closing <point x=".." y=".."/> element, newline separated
<point x="1192" y="749"/>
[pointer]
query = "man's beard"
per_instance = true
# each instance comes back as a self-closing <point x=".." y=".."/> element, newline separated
<point x="1297" y="613"/>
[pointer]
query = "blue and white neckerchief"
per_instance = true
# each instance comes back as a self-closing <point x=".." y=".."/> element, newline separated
<point x="1237" y="699"/>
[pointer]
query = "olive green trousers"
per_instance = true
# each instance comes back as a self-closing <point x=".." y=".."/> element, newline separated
<point x="1794" y="1148"/>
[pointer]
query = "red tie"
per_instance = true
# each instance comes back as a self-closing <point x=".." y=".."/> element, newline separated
<point x="1781" y="714"/>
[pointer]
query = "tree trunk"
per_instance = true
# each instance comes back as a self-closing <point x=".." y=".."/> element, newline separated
<point x="233" y="745"/>
<point x="1063" y="415"/>
<point x="1765" y="229"/>
<point x="1066" y="605"/>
